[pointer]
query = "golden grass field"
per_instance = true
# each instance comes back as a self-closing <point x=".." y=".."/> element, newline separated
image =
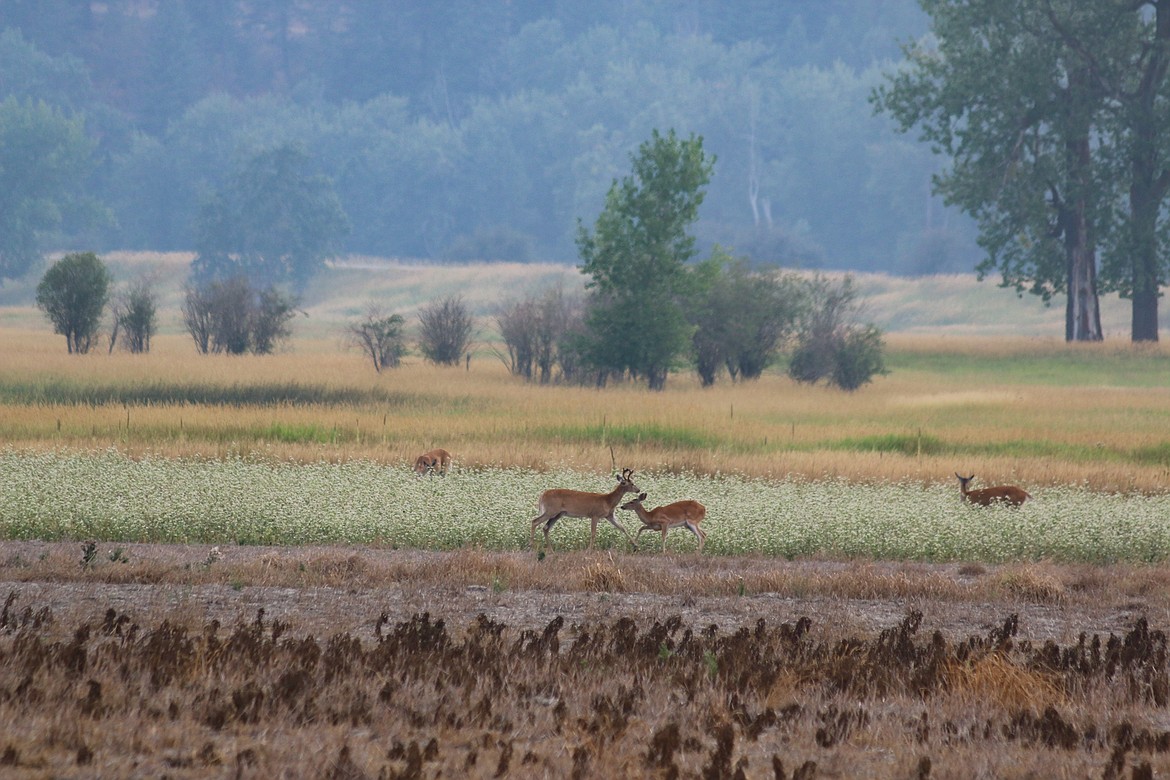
<point x="921" y="422"/>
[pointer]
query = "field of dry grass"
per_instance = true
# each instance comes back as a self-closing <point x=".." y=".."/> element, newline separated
<point x="1038" y="412"/>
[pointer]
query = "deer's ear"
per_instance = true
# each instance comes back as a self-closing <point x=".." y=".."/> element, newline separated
<point x="641" y="496"/>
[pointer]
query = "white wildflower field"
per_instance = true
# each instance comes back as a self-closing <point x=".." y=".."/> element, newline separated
<point x="110" y="497"/>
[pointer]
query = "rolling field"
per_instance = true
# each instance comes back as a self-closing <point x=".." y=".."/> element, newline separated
<point x="224" y="567"/>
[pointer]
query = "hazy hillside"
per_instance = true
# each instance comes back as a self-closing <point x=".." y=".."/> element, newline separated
<point x="942" y="304"/>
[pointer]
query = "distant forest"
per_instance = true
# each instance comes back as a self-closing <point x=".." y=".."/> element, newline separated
<point x="484" y="130"/>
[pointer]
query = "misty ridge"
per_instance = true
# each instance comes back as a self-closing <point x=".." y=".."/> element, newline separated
<point x="485" y="131"/>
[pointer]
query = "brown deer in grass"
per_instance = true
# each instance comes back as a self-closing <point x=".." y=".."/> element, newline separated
<point x="435" y="461"/>
<point x="687" y="514"/>
<point x="1009" y="495"/>
<point x="557" y="503"/>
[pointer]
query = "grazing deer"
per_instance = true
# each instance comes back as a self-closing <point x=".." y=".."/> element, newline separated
<point x="687" y="514"/>
<point x="557" y="503"/>
<point x="1001" y="494"/>
<point x="434" y="462"/>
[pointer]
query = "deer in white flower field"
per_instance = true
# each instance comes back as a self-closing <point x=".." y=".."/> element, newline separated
<point x="434" y="461"/>
<point x="686" y="514"/>
<point x="1009" y="495"/>
<point x="557" y="503"/>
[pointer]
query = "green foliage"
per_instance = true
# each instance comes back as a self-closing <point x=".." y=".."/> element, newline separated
<point x="830" y="344"/>
<point x="109" y="497"/>
<point x="636" y="257"/>
<point x="742" y="318"/>
<point x="73" y="295"/>
<point x="44" y="159"/>
<point x="1052" y="114"/>
<point x="274" y="223"/>
<point x="135" y="317"/>
<point x="380" y="337"/>
<point x="858" y="357"/>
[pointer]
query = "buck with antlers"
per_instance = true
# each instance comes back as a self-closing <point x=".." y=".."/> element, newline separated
<point x="435" y="461"/>
<point x="687" y="514"/>
<point x="557" y="503"/>
<point x="1000" y="494"/>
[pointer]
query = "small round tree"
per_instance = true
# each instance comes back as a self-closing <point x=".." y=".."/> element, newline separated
<point x="73" y="294"/>
<point x="445" y="330"/>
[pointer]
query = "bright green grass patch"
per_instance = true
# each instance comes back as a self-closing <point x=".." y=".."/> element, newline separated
<point x="1061" y="367"/>
<point x="1156" y="455"/>
<point x="649" y="435"/>
<point x="925" y="444"/>
<point x="904" y="444"/>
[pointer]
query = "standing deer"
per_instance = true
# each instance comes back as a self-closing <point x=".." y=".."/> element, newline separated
<point x="687" y="514"/>
<point x="1001" y="494"/>
<point x="435" y="461"/>
<point x="557" y="503"/>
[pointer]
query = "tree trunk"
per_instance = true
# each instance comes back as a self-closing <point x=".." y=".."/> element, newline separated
<point x="1082" y="321"/>
<point x="1144" y="200"/>
<point x="1150" y="181"/>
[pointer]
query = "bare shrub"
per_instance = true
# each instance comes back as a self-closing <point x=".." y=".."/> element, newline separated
<point x="233" y="317"/>
<point x="135" y="316"/>
<point x="533" y="330"/>
<point x="379" y="336"/>
<point x="445" y="330"/>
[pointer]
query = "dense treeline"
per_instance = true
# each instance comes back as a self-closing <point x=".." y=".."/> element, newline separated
<point x="481" y="130"/>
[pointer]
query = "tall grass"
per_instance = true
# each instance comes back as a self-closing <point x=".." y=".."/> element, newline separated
<point x="1014" y="410"/>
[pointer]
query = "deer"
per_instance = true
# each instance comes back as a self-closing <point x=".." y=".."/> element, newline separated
<point x="687" y="514"/>
<point x="434" y="461"/>
<point x="1000" y="494"/>
<point x="557" y="503"/>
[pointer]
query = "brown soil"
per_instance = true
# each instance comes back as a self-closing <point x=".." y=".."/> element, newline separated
<point x="329" y="590"/>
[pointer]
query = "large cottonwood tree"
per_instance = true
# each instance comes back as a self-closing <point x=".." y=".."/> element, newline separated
<point x="1053" y="113"/>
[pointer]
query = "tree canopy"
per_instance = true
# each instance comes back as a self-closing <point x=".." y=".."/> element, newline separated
<point x="275" y="223"/>
<point x="44" y="160"/>
<point x="1053" y="114"/>
<point x="484" y="130"/>
<point x="73" y="294"/>
<point x="637" y="254"/>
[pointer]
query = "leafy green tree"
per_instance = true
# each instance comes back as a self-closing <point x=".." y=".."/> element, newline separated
<point x="1055" y="113"/>
<point x="637" y="257"/>
<point x="73" y="294"/>
<point x="44" y="157"/>
<point x="996" y="90"/>
<point x="275" y="223"/>
<point x="135" y="313"/>
<point x="380" y="336"/>
<point x="742" y="318"/>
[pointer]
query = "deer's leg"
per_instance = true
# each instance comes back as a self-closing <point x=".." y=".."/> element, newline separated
<point x="548" y="527"/>
<point x="613" y="521"/>
<point x="541" y="518"/>
<point x="695" y="530"/>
